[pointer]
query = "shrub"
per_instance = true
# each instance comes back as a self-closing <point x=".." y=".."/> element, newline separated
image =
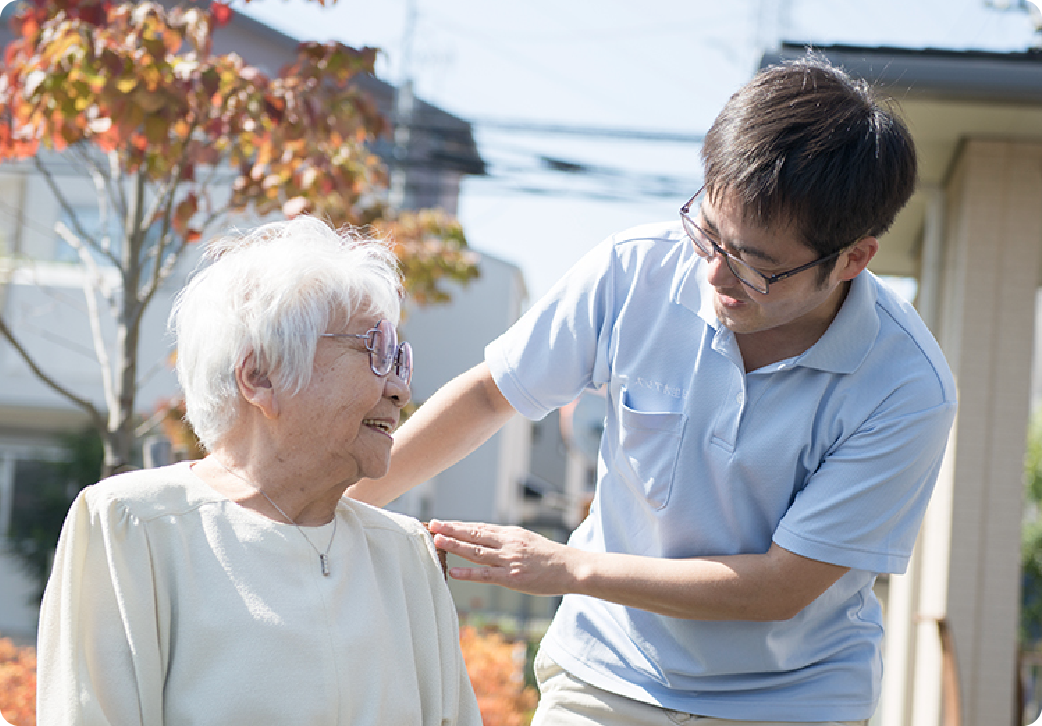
<point x="17" y="684"/>
<point x="496" y="669"/>
<point x="495" y="666"/>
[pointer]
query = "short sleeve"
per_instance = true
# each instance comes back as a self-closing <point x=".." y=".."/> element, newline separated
<point x="863" y="507"/>
<point x="561" y="345"/>
<point x="98" y="657"/>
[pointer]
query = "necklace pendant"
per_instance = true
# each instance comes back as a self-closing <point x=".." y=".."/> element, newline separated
<point x="323" y="560"/>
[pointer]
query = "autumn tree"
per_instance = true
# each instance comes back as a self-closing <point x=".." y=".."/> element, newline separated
<point x="175" y="139"/>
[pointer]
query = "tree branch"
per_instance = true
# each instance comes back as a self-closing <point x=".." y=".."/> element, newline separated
<point x="101" y="166"/>
<point x="90" y="290"/>
<point x="68" y="208"/>
<point x="104" y="196"/>
<point x="165" y="263"/>
<point x="118" y="193"/>
<point x="96" y="418"/>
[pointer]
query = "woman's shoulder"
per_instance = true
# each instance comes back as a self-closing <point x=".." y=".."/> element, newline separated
<point x="376" y="518"/>
<point x="388" y="530"/>
<point x="149" y="493"/>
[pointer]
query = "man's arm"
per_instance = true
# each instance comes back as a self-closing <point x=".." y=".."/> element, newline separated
<point x="456" y="420"/>
<point x="775" y="585"/>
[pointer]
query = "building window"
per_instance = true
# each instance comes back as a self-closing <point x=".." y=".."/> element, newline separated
<point x="31" y="487"/>
<point x="34" y="499"/>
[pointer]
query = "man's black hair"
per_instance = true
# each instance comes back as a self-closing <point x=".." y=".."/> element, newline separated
<point x="804" y="144"/>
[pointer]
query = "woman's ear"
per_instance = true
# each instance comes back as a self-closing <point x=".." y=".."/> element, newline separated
<point x="856" y="259"/>
<point x="256" y="388"/>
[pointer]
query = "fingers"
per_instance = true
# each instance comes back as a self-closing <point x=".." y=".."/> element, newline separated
<point x="510" y="556"/>
<point x="490" y="575"/>
<point x="474" y="542"/>
<point x="476" y="532"/>
<point x="493" y="546"/>
<point x="478" y="554"/>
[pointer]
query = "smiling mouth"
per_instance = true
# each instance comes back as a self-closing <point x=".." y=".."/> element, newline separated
<point x="728" y="300"/>
<point x="385" y="426"/>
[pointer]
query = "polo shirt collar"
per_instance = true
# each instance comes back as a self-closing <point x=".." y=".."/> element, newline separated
<point x="693" y="289"/>
<point x="842" y="348"/>
<point x="849" y="339"/>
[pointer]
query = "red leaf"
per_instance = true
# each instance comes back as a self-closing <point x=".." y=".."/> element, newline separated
<point x="221" y="12"/>
<point x="95" y="13"/>
<point x="184" y="211"/>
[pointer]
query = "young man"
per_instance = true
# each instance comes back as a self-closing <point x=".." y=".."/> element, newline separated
<point x="776" y="421"/>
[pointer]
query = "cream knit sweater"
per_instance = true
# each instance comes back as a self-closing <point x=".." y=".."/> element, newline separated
<point x="169" y="604"/>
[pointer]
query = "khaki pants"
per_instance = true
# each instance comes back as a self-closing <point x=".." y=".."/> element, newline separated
<point x="567" y="701"/>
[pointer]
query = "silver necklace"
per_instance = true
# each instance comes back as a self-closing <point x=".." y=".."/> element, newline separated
<point x="323" y="557"/>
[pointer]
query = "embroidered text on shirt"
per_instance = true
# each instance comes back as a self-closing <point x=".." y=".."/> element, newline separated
<point x="672" y="392"/>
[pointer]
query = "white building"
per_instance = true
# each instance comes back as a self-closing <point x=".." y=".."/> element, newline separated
<point x="520" y="475"/>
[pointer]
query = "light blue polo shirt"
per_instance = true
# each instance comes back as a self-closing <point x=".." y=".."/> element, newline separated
<point x="831" y="454"/>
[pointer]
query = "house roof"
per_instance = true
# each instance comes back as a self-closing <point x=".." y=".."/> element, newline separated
<point x="945" y="97"/>
<point x="449" y="141"/>
<point x="966" y="75"/>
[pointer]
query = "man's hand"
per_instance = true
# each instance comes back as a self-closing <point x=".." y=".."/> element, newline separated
<point x="509" y="556"/>
<point x="775" y="585"/>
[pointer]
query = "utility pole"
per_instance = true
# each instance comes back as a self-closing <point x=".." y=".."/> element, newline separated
<point x="402" y="116"/>
<point x="771" y="23"/>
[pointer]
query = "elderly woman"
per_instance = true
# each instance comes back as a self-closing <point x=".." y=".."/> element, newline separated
<point x="244" y="588"/>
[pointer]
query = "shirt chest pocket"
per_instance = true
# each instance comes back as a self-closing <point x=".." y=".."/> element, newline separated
<point x="648" y="450"/>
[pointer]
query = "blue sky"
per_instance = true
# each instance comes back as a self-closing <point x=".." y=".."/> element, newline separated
<point x="656" y="65"/>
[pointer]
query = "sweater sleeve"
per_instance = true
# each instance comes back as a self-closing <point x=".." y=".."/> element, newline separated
<point x="99" y="656"/>
<point x="459" y="705"/>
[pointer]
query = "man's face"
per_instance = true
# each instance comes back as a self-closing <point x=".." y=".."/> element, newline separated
<point x="799" y="308"/>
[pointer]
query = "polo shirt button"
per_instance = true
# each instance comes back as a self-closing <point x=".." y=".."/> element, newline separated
<point x="738" y="399"/>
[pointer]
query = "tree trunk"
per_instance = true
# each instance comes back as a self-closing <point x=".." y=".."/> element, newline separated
<point x="119" y="436"/>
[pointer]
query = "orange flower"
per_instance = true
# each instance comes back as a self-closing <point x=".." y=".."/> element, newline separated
<point x="494" y="663"/>
<point x="17" y="684"/>
<point x="496" y="669"/>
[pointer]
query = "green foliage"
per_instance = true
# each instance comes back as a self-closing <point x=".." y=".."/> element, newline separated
<point x="1033" y="459"/>
<point x="44" y="498"/>
<point x="1031" y="538"/>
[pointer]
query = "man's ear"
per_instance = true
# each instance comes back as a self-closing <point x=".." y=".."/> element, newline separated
<point x="856" y="259"/>
<point x="256" y="388"/>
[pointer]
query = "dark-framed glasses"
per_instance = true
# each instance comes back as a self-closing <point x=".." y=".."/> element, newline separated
<point x="385" y="352"/>
<point x="749" y="276"/>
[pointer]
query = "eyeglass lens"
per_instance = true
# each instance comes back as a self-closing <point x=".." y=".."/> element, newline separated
<point x="385" y="352"/>
<point x="708" y="249"/>
<point x="403" y="363"/>
<point x="383" y="347"/>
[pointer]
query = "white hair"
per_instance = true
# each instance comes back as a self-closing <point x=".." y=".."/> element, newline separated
<point x="270" y="293"/>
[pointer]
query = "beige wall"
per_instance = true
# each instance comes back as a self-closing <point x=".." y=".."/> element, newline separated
<point x="968" y="566"/>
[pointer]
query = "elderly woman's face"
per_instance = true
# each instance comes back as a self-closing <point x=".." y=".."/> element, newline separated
<point x="347" y="413"/>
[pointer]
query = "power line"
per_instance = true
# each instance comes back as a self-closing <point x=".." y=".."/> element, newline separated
<point x="560" y="129"/>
